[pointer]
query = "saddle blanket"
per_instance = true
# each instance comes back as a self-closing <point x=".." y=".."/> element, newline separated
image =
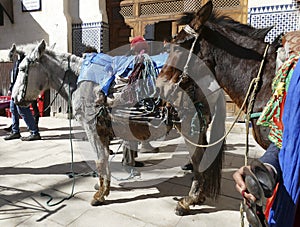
<point x="102" y="68"/>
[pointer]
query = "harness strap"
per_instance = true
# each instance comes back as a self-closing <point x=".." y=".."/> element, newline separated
<point x="255" y="115"/>
<point x="192" y="32"/>
<point x="188" y="29"/>
<point x="252" y="100"/>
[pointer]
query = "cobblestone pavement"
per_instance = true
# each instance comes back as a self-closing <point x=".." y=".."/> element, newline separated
<point x="139" y="197"/>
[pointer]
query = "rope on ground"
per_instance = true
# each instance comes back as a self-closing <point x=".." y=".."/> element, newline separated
<point x="72" y="160"/>
<point x="132" y="174"/>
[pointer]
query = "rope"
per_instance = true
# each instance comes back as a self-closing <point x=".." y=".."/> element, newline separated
<point x="231" y="127"/>
<point x="72" y="160"/>
<point x="251" y="103"/>
<point x="252" y="98"/>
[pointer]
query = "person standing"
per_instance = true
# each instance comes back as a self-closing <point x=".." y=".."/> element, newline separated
<point x="282" y="158"/>
<point x="24" y="112"/>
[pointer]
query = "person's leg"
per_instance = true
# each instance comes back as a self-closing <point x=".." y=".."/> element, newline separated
<point x="26" y="114"/>
<point x="146" y="147"/>
<point x="15" y="130"/>
<point x="130" y="153"/>
<point x="14" y="117"/>
<point x="36" y="112"/>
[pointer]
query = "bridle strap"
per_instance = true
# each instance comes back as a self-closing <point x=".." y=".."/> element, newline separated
<point x="188" y="29"/>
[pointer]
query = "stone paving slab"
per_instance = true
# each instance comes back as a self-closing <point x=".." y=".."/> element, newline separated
<point x="145" y="197"/>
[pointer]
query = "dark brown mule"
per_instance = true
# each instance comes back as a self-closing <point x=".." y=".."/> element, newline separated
<point x="233" y="52"/>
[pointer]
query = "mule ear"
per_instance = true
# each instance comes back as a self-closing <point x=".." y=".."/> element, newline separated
<point x="42" y="47"/>
<point x="38" y="51"/>
<point x="204" y="13"/>
<point x="12" y="52"/>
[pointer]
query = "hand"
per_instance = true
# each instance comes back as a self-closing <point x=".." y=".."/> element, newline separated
<point x="9" y="93"/>
<point x="240" y="185"/>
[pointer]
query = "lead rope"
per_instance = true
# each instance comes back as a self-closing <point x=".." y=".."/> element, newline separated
<point x="231" y="127"/>
<point x="248" y="116"/>
<point x="254" y="82"/>
<point x="188" y="29"/>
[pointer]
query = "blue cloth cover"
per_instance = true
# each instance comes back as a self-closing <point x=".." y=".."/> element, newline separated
<point x="102" y="68"/>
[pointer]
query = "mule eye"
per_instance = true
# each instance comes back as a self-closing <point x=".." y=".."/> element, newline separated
<point x="176" y="48"/>
<point x="21" y="69"/>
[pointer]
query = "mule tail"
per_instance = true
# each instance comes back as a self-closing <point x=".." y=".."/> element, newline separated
<point x="214" y="155"/>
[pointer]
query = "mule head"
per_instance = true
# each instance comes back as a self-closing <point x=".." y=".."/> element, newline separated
<point x="31" y="78"/>
<point x="181" y="58"/>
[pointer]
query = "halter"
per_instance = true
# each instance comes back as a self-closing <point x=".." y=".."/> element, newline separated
<point x="188" y="29"/>
<point x="24" y="90"/>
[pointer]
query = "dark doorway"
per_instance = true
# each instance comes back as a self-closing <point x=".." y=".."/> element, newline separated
<point x="162" y="30"/>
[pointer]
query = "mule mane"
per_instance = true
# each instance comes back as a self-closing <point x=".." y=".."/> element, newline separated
<point x="66" y="60"/>
<point x="226" y="21"/>
<point x="240" y="40"/>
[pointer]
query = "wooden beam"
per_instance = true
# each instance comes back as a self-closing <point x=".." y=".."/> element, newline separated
<point x="7" y="6"/>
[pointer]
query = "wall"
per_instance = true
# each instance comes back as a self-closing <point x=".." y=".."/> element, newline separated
<point x="284" y="15"/>
<point x="69" y="24"/>
<point x="50" y="24"/>
<point x="55" y="23"/>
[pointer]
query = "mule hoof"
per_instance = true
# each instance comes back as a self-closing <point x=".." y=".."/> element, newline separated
<point x="95" y="202"/>
<point x="181" y="211"/>
<point x="96" y="186"/>
<point x="200" y="201"/>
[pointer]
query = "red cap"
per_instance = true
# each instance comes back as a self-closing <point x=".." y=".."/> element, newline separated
<point x="138" y="43"/>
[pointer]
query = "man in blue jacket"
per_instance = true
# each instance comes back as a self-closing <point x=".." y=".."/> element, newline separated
<point x="24" y="112"/>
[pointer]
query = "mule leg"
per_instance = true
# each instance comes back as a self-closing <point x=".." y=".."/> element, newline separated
<point x="196" y="194"/>
<point x="86" y="111"/>
<point x="100" y="145"/>
<point x="104" y="173"/>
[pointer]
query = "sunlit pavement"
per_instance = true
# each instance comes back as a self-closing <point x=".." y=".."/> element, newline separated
<point x="139" y="197"/>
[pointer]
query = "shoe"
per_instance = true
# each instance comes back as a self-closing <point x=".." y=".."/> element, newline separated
<point x="147" y="148"/>
<point x="138" y="164"/>
<point x="12" y="136"/>
<point x="188" y="166"/>
<point x="31" y="137"/>
<point x="8" y="129"/>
